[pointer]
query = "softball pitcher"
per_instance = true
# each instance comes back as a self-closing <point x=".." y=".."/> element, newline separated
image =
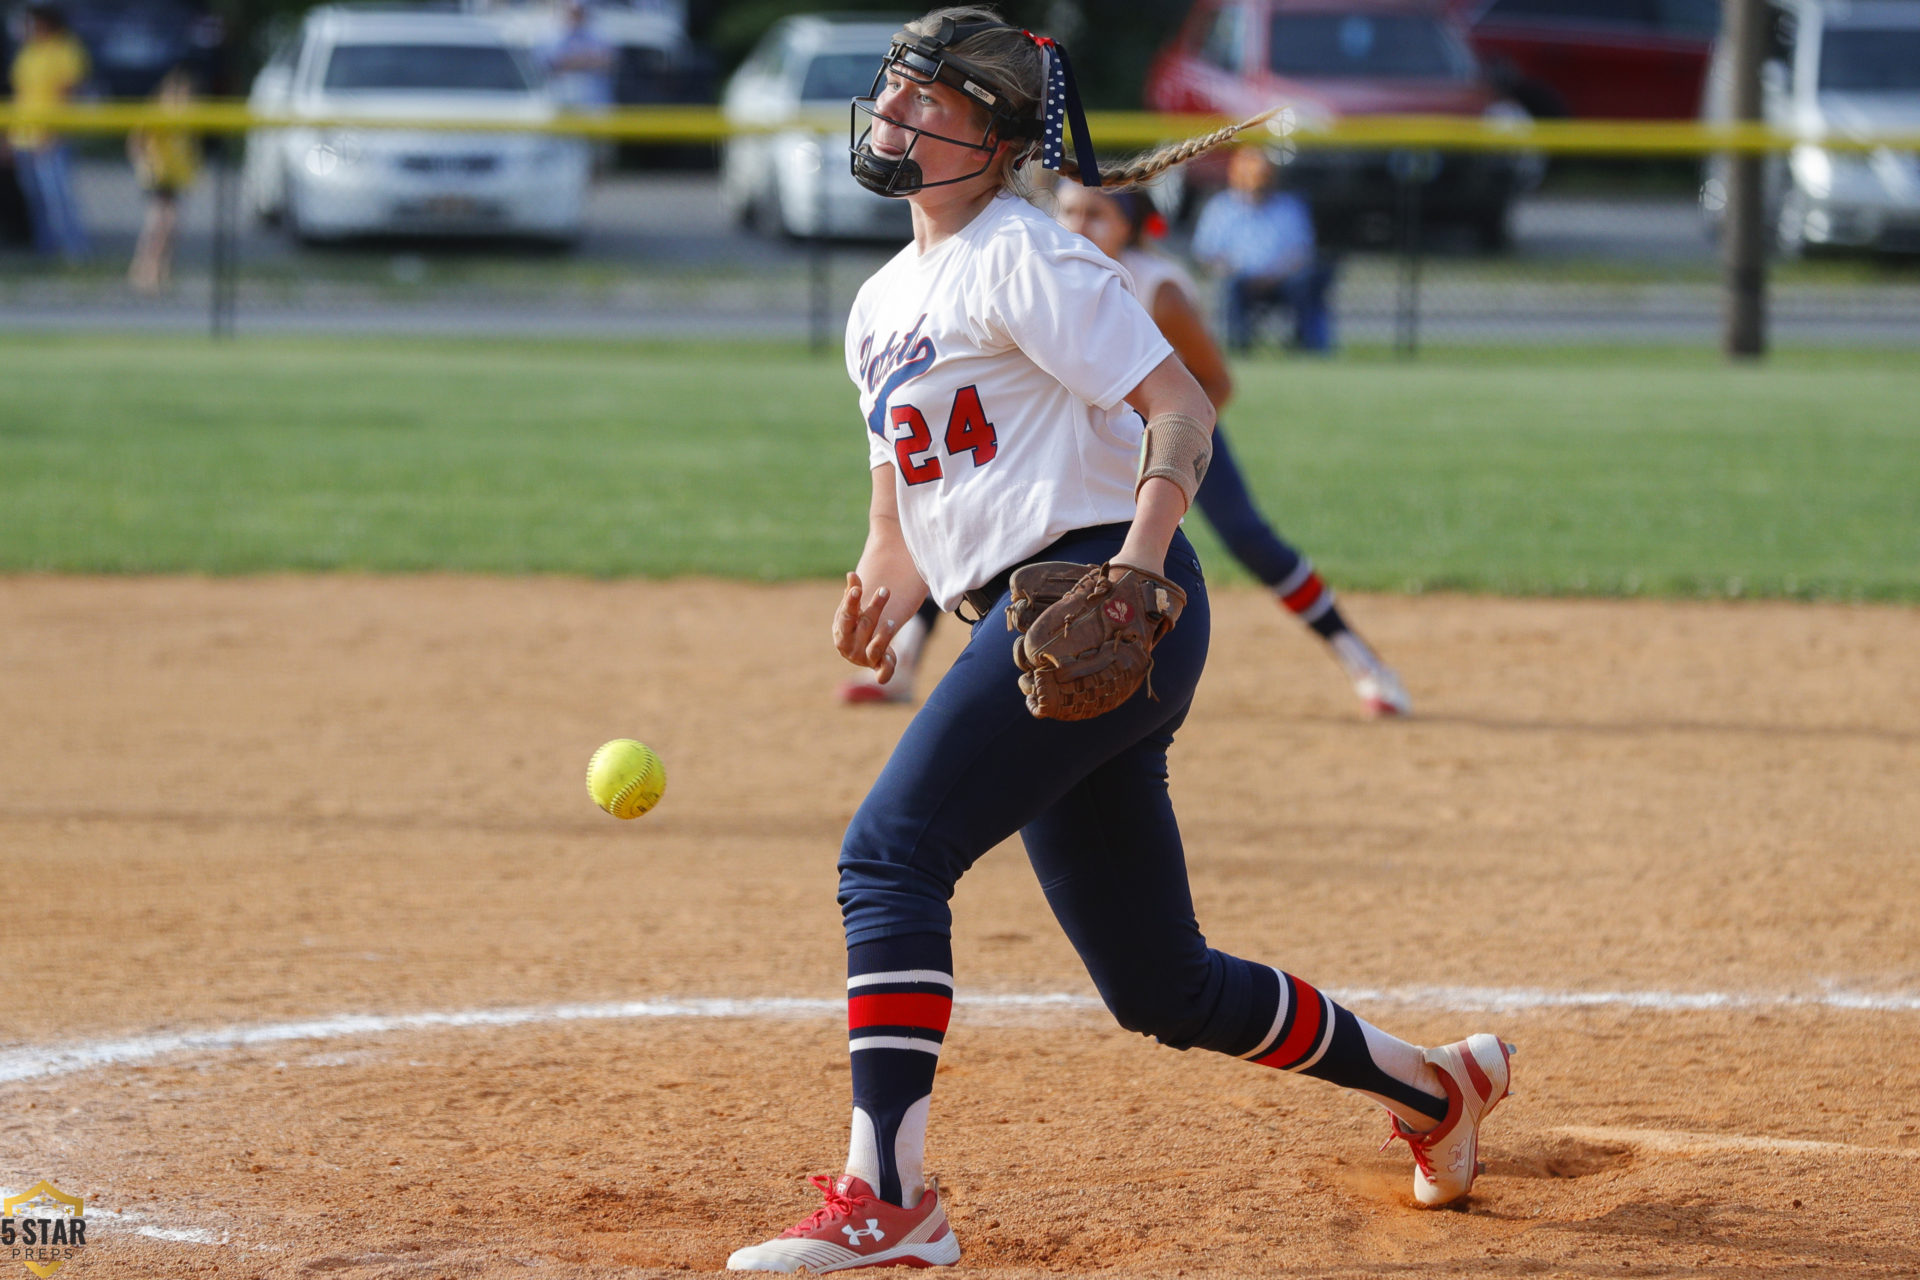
<point x="1004" y="370"/>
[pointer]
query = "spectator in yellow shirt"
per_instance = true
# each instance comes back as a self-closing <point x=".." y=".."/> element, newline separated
<point x="48" y="70"/>
<point x="166" y="161"/>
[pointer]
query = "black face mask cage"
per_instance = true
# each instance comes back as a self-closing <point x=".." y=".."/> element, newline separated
<point x="925" y="61"/>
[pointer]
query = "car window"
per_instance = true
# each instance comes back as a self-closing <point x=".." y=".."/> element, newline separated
<point x="388" y="68"/>
<point x="1604" y="13"/>
<point x="1220" y="42"/>
<point x="836" y="77"/>
<point x="1870" y="60"/>
<point x="1307" y="45"/>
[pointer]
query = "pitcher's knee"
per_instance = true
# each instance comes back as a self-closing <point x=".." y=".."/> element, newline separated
<point x="1174" y="1014"/>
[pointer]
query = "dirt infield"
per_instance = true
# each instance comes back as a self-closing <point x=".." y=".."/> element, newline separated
<point x="1668" y="849"/>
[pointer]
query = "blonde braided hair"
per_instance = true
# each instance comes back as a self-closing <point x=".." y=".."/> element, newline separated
<point x="1149" y="165"/>
<point x="1014" y="61"/>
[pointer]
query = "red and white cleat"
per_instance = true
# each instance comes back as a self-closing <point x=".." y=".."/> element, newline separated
<point x="862" y="690"/>
<point x="1374" y="682"/>
<point x="855" y="1228"/>
<point x="1381" y="692"/>
<point x="1475" y="1073"/>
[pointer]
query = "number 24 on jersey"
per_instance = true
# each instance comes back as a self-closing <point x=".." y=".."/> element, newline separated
<point x="968" y="431"/>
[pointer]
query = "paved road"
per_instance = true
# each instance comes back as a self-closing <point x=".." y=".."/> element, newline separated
<point x="659" y="259"/>
<point x="677" y="216"/>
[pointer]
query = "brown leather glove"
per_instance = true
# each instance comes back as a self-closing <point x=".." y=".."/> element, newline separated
<point x="1087" y="634"/>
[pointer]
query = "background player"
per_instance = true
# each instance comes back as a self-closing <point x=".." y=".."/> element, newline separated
<point x="1000" y="360"/>
<point x="1117" y="222"/>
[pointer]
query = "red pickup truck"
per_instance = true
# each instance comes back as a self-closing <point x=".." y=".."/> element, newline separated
<point x="1609" y="59"/>
<point x="1328" y="58"/>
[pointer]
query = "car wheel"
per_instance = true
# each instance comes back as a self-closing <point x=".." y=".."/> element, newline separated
<point x="1493" y="227"/>
<point x="290" y="220"/>
<point x="762" y="214"/>
<point x="1790" y="227"/>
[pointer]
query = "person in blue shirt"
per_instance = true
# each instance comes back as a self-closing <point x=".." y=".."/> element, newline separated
<point x="1260" y="240"/>
<point x="580" y="63"/>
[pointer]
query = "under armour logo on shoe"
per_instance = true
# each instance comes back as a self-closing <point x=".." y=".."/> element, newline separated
<point x="872" y="1232"/>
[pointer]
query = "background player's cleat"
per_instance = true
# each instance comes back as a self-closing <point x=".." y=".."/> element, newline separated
<point x="855" y="1228"/>
<point x="1382" y="693"/>
<point x="1475" y="1073"/>
<point x="1374" y="682"/>
<point x="865" y="689"/>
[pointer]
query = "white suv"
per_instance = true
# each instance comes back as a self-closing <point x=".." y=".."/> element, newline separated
<point x="1835" y="69"/>
<point x="791" y="172"/>
<point x="331" y="181"/>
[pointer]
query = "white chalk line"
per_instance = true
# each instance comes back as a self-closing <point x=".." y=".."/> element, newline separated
<point x="1686" y="1142"/>
<point x="31" y="1062"/>
<point x="135" y="1223"/>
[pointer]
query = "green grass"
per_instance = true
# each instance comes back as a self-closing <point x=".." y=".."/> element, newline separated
<point x="1636" y="471"/>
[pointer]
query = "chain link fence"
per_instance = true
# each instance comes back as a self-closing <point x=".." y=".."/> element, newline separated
<point x="1603" y="248"/>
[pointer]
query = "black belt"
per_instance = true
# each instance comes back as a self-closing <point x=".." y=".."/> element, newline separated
<point x="983" y="597"/>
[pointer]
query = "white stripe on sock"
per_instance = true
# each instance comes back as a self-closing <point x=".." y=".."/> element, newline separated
<point x="1295" y="580"/>
<point x="902" y="975"/>
<point x="1326" y="1035"/>
<point x="1403" y="1061"/>
<point x="1319" y="607"/>
<point x="1279" y="1014"/>
<point x="894" y="1042"/>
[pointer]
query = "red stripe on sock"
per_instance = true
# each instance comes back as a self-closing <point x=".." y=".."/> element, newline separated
<point x="1309" y="1017"/>
<point x="1302" y="597"/>
<point x="903" y="1009"/>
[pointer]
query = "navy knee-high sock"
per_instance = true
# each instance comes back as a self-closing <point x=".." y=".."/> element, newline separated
<point x="899" y="1001"/>
<point x="1293" y="1027"/>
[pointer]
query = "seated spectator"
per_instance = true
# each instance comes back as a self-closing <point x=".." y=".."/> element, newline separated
<point x="1260" y="241"/>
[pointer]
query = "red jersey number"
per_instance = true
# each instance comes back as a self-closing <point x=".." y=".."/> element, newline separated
<point x="968" y="431"/>
<point x="915" y="439"/>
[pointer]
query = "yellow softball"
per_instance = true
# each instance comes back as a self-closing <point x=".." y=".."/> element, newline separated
<point x="626" y="778"/>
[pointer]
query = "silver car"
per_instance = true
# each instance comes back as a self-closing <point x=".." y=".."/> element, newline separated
<point x="791" y="174"/>
<point x="1846" y="70"/>
<point x="331" y="180"/>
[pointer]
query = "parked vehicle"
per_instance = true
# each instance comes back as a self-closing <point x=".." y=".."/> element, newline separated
<point x="132" y="43"/>
<point x="1327" y="58"/>
<point x="332" y="182"/>
<point x="1834" y="69"/>
<point x="794" y="177"/>
<point x="1611" y="59"/>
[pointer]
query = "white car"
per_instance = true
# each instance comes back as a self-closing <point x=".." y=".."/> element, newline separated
<point x="331" y="181"/>
<point x="792" y="174"/>
<point x="1835" y="69"/>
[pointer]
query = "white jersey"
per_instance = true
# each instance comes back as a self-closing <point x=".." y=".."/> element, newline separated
<point x="992" y="372"/>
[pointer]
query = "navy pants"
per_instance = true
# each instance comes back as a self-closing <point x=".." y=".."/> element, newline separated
<point x="1304" y="293"/>
<point x="1223" y="499"/>
<point x="1089" y="799"/>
